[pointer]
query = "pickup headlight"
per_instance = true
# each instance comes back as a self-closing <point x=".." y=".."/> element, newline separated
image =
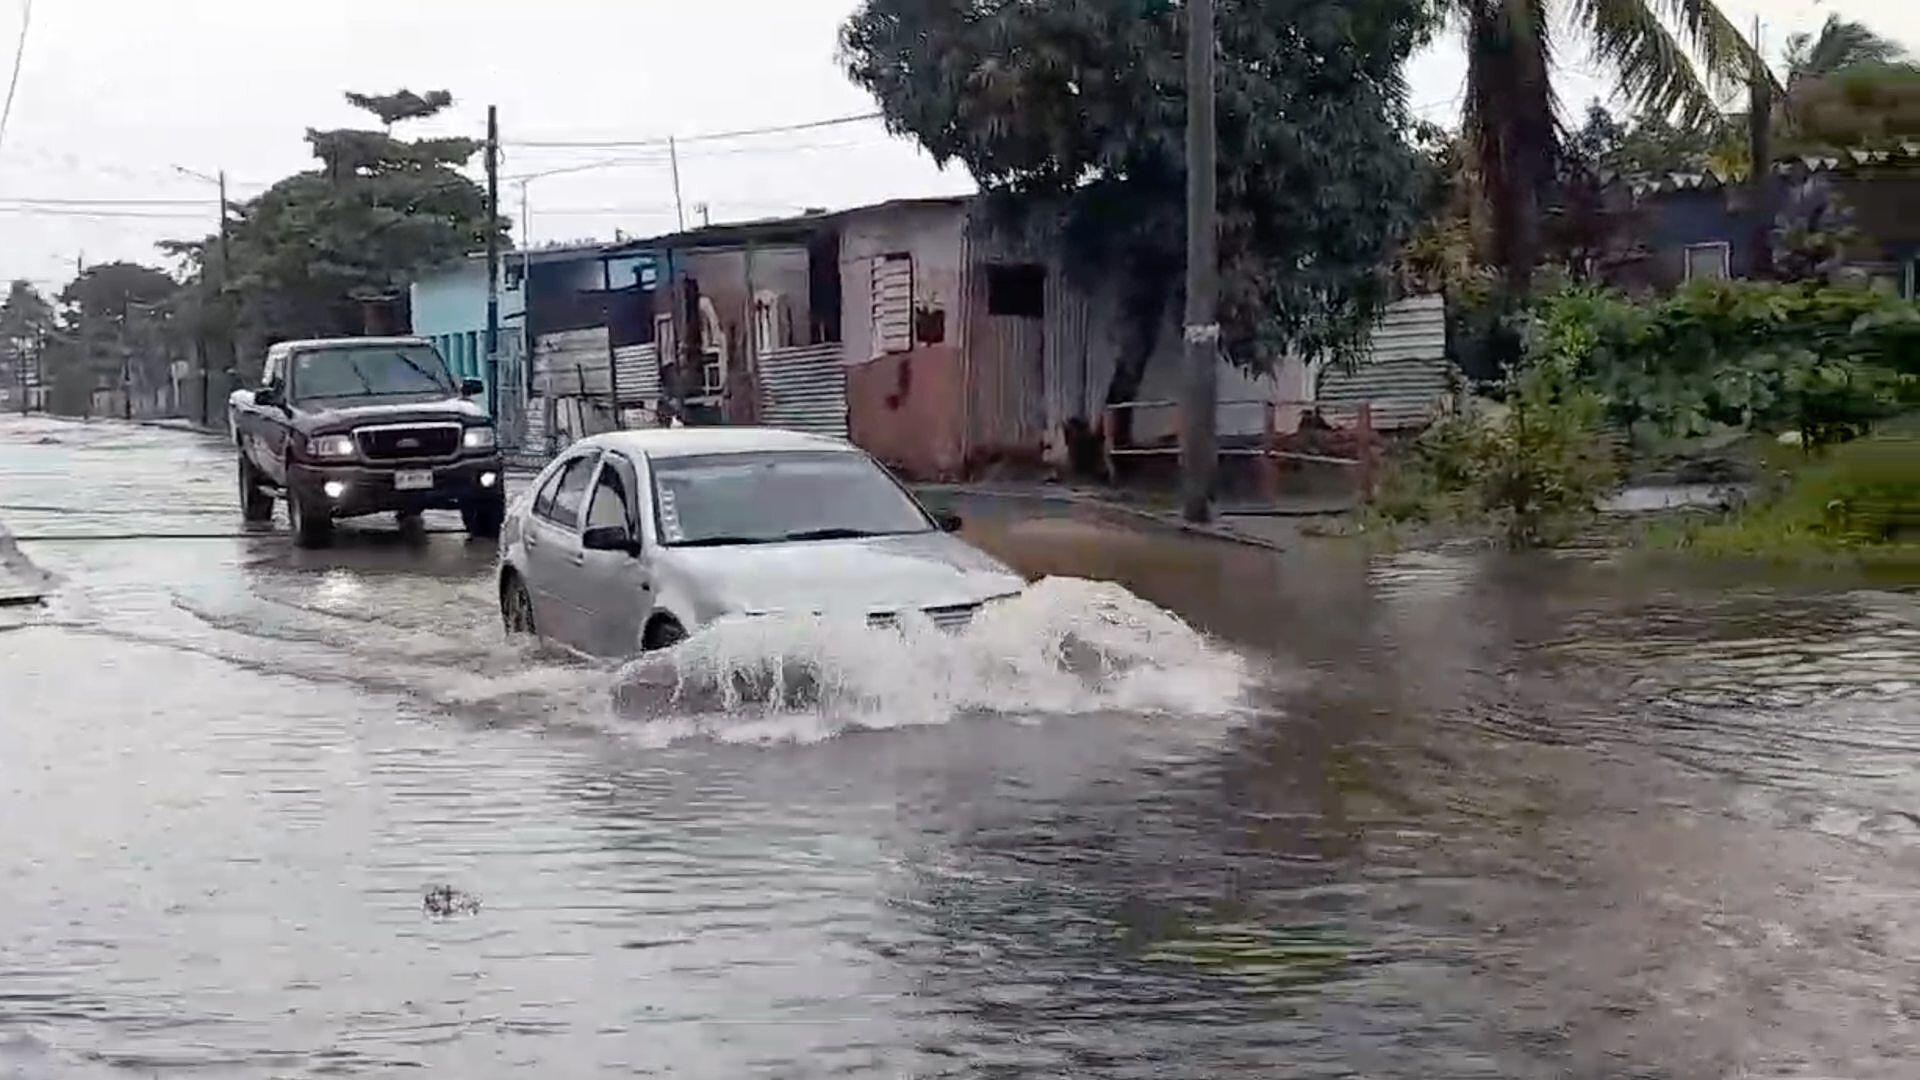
<point x="331" y="446"/>
<point x="477" y="438"/>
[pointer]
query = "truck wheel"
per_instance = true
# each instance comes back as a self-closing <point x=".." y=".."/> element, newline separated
<point x="312" y="526"/>
<point x="256" y="504"/>
<point x="483" y="518"/>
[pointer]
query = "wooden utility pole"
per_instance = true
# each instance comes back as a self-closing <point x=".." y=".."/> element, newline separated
<point x="1199" y="453"/>
<point x="1760" y="148"/>
<point x="493" y="263"/>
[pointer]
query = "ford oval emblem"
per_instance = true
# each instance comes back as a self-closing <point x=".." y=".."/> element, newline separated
<point x="409" y="444"/>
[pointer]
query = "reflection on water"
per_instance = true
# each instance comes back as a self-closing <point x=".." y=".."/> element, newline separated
<point x="1421" y="816"/>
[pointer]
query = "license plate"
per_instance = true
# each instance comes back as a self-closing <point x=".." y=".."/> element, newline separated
<point x="412" y="479"/>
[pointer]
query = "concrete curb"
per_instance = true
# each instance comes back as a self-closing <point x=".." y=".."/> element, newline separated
<point x="1087" y="500"/>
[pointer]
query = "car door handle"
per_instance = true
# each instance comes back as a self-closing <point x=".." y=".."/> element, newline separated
<point x="578" y="558"/>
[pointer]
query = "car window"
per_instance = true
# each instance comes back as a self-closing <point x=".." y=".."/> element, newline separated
<point x="570" y="492"/>
<point x="609" y="505"/>
<point x="774" y="496"/>
<point x="543" y="504"/>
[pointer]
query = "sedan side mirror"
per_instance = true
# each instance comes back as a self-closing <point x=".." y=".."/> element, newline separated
<point x="472" y="388"/>
<point x="948" y="521"/>
<point x="609" y="538"/>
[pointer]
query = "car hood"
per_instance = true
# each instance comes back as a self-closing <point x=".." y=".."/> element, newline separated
<point x="423" y="410"/>
<point x="870" y="574"/>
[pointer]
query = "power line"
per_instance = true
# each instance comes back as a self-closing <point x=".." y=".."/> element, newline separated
<point x="19" y="51"/>
<point x="48" y="200"/>
<point x="614" y="144"/>
<point x="73" y="212"/>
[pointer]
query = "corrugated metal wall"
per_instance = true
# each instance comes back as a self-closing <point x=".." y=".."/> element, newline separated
<point x="1025" y="376"/>
<point x="1405" y="374"/>
<point x="804" y="388"/>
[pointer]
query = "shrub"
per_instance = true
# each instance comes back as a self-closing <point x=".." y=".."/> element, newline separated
<point x="1531" y="470"/>
<point x="1820" y="360"/>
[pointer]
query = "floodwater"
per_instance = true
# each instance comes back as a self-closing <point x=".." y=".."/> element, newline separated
<point x="277" y="813"/>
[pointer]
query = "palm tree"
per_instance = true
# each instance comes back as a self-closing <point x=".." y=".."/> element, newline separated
<point x="1841" y="44"/>
<point x="1510" y="110"/>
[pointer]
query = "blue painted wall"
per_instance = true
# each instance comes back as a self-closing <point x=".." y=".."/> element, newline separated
<point x="450" y="309"/>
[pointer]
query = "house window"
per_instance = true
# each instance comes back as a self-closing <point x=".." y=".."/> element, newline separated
<point x="892" y="298"/>
<point x="1018" y="289"/>
<point x="1709" y="262"/>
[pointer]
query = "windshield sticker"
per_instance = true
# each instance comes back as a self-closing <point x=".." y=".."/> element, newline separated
<point x="670" y="528"/>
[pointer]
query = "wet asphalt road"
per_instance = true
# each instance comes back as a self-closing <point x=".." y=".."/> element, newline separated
<point x="1469" y="816"/>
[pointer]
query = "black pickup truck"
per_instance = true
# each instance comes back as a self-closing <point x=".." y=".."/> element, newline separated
<point x="349" y="426"/>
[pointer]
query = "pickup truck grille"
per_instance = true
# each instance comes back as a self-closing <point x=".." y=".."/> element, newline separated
<point x="404" y="442"/>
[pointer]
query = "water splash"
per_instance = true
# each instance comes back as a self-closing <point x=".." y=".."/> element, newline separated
<point x="1063" y="646"/>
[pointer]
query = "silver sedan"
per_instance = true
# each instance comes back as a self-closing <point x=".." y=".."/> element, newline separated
<point x="632" y="540"/>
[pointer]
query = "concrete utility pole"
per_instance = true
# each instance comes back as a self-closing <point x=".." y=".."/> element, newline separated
<point x="679" y="210"/>
<point x="493" y="263"/>
<point x="1760" y="147"/>
<point x="1199" y="453"/>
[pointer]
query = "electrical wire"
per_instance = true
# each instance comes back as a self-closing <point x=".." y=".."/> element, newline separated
<point x="615" y="144"/>
<point x="13" y="81"/>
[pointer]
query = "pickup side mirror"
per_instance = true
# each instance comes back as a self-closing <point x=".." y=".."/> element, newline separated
<point x="472" y="388"/>
<point x="610" y="538"/>
<point x="270" y="396"/>
<point x="947" y="520"/>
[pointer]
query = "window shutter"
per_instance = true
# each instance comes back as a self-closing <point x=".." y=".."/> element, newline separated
<point x="892" y="304"/>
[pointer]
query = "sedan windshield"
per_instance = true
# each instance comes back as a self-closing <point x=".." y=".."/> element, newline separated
<point x="766" y="498"/>
<point x="362" y="371"/>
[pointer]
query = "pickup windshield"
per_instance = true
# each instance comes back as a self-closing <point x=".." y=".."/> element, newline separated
<point x="369" y="371"/>
<point x="765" y="498"/>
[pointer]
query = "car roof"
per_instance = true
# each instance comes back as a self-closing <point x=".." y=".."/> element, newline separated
<point x="328" y="343"/>
<point x="688" y="441"/>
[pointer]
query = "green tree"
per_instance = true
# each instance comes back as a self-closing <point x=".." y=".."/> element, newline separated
<point x="1509" y="109"/>
<point x="113" y="328"/>
<point x="310" y="252"/>
<point x="1080" y="105"/>
<point x="26" y="322"/>
<point x="1841" y="44"/>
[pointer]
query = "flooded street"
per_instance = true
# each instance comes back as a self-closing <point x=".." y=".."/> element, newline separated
<point x="270" y="812"/>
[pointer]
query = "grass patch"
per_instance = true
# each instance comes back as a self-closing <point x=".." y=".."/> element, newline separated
<point x="1856" y="501"/>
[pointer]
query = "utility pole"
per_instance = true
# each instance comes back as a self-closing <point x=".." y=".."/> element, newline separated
<point x="1760" y="148"/>
<point x="493" y="263"/>
<point x="1199" y="455"/>
<point x="673" y="156"/>
<point x="226" y="301"/>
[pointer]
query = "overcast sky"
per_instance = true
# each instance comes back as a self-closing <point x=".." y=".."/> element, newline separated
<point x="113" y="94"/>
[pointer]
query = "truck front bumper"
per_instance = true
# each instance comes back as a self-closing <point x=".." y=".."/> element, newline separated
<point x="369" y="489"/>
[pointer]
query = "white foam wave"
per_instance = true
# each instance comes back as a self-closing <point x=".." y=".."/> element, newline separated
<point x="1064" y="646"/>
